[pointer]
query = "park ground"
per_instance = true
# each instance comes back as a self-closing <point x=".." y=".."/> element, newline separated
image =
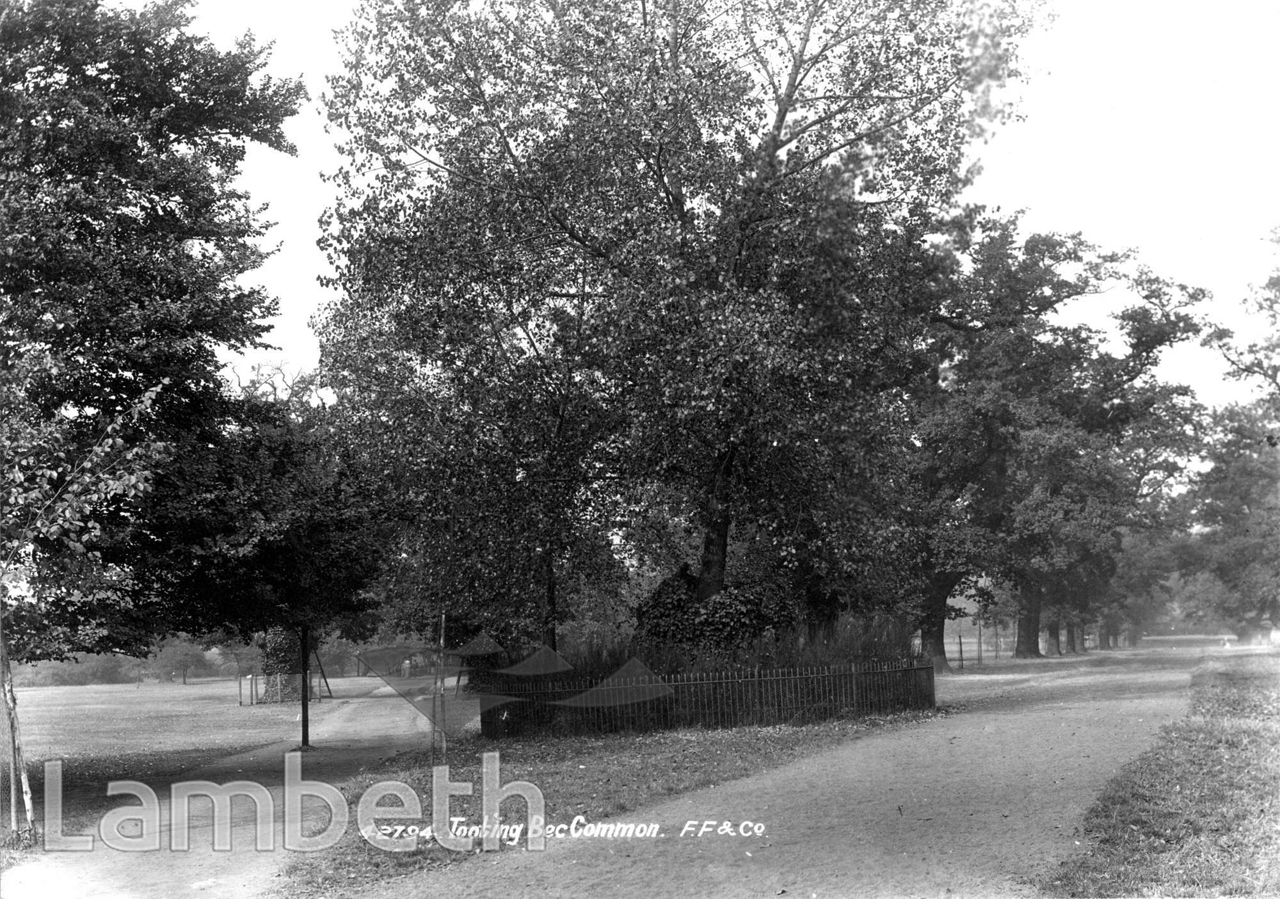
<point x="991" y="797"/>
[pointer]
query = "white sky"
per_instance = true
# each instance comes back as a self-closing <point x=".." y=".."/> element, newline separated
<point x="1146" y="124"/>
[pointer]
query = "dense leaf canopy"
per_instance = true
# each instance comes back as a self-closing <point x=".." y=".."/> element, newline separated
<point x="122" y="241"/>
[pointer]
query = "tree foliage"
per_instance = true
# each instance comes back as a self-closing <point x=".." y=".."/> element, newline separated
<point x="122" y="239"/>
<point x="1035" y="441"/>
<point x="270" y="524"/>
<point x="1236" y="506"/>
<point x="634" y="256"/>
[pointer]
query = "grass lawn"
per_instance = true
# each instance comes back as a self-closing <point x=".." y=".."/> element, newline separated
<point x="1198" y="814"/>
<point x="153" y="733"/>
<point x="595" y="777"/>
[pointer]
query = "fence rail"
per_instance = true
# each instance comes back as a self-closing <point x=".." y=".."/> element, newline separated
<point x="257" y="689"/>
<point x="513" y="706"/>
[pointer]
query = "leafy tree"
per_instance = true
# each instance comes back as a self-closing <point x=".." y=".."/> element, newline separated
<point x="51" y="496"/>
<point x="1257" y="360"/>
<point x="686" y="241"/>
<point x="1195" y="601"/>
<point x="1237" y="510"/>
<point x="269" y="524"/>
<point x="122" y="237"/>
<point x="1140" y="592"/>
<point x="234" y="648"/>
<point x="79" y="670"/>
<point x="1236" y="499"/>
<point x="492" y="460"/>
<point x="1032" y="442"/>
<point x="124" y="233"/>
<point x="177" y="654"/>
<point x="52" y="505"/>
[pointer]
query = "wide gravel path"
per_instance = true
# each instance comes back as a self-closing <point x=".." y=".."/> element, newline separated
<point x="972" y="804"/>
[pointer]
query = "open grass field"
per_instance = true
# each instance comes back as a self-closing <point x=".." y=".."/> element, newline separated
<point x="1199" y="813"/>
<point x="153" y="732"/>
<point x="110" y="719"/>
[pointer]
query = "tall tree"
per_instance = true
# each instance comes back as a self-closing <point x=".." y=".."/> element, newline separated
<point x="708" y="218"/>
<point x="122" y="234"/>
<point x="1237" y="498"/>
<point x="121" y="239"/>
<point x="272" y="523"/>
<point x="1034" y="439"/>
<point x="1236" y="505"/>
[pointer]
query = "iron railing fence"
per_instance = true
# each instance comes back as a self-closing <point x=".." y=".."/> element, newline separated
<point x="513" y="706"/>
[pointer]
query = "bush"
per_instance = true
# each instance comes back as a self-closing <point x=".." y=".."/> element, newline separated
<point x="81" y="670"/>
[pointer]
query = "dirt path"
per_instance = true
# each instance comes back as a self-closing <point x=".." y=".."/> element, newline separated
<point x="360" y="731"/>
<point x="972" y="804"/>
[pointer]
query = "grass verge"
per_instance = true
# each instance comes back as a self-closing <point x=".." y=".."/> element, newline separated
<point x="596" y="777"/>
<point x="1198" y="814"/>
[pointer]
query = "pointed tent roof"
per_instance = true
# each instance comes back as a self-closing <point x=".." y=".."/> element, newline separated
<point x="479" y="645"/>
<point x="544" y="660"/>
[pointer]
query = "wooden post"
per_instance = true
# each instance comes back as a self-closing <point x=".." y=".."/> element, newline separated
<point x="304" y="657"/>
<point x="960" y="641"/>
<point x="13" y="793"/>
<point x="437" y="700"/>
<point x="321" y="678"/>
<point x="17" y="764"/>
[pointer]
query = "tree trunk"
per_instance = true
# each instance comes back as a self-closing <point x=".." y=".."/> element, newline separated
<point x="18" y="764"/>
<point x="715" y="542"/>
<point x="933" y="624"/>
<point x="933" y="645"/>
<point x="1028" y="646"/>
<point x="1104" y="637"/>
<point x="549" y="622"/>
<point x="1071" y="638"/>
<point x="1053" y="638"/>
